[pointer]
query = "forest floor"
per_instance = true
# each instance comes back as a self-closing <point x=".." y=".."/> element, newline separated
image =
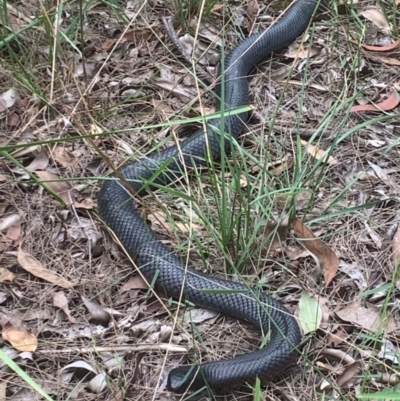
<point x="305" y="206"/>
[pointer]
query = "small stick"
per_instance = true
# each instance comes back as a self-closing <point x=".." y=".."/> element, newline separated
<point x="117" y="348"/>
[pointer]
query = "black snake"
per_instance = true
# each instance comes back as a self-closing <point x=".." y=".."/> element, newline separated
<point x="175" y="279"/>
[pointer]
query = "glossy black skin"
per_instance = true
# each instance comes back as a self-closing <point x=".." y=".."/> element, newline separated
<point x="119" y="213"/>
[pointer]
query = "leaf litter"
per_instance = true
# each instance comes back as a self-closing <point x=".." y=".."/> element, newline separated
<point x="68" y="290"/>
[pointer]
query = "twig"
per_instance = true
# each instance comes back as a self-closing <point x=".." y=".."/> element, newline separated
<point x="118" y="348"/>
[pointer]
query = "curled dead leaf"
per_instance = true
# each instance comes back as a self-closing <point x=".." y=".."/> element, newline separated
<point x="9" y="220"/>
<point x="301" y="51"/>
<point x="389" y="103"/>
<point x="377" y="18"/>
<point x="6" y="275"/>
<point x="40" y="162"/>
<point x="13" y="119"/>
<point x="383" y="59"/>
<point x="61" y="301"/>
<point x="134" y="283"/>
<point x="386" y="48"/>
<point x="301" y="199"/>
<point x="33" y="266"/>
<point x="7" y="99"/>
<point x="64" y="190"/>
<point x="62" y="156"/>
<point x="97" y="312"/>
<point x="351" y="373"/>
<point x="325" y="255"/>
<point x="137" y="36"/>
<point x="367" y="316"/>
<point x="20" y="339"/>
<point x="98" y="383"/>
<point x="275" y="235"/>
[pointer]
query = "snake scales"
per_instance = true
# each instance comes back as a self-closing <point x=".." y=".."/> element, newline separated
<point x="153" y="258"/>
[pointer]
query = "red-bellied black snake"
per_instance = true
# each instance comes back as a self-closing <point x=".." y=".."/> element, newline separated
<point x="173" y="277"/>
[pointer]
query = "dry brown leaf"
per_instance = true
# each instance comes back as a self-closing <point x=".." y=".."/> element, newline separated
<point x="6" y="275"/>
<point x="96" y="311"/>
<point x="324" y="304"/>
<point x="350" y="372"/>
<point x="176" y="89"/>
<point x="382" y="174"/>
<point x="396" y="247"/>
<point x="3" y="106"/>
<point x="275" y="235"/>
<point x="61" y="188"/>
<point x="64" y="190"/>
<point x="377" y="18"/>
<point x="253" y="8"/>
<point x="385" y="60"/>
<point x="284" y="164"/>
<point x="21" y="340"/>
<point x="367" y="316"/>
<point x="199" y="315"/>
<point x="105" y="44"/>
<point x="386" y="48"/>
<point x="3" y="388"/>
<point x="14" y="233"/>
<point x="11" y="318"/>
<point x="280" y="74"/>
<point x="390" y="103"/>
<point x="301" y="52"/>
<point x="7" y="221"/>
<point x="337" y="337"/>
<point x="319" y="154"/>
<point x="296" y="252"/>
<point x="79" y="365"/>
<point x="154" y="306"/>
<point x="165" y="110"/>
<point x="40" y="162"/>
<point x="137" y="36"/>
<point x="13" y="119"/>
<point x="301" y="200"/>
<point x="62" y="156"/>
<point x="207" y="31"/>
<point x="61" y="301"/>
<point x="158" y="218"/>
<point x="83" y="203"/>
<point x="328" y="259"/>
<point x="134" y="283"/>
<point x="98" y="383"/>
<point x="33" y="266"/>
<point x="8" y="99"/>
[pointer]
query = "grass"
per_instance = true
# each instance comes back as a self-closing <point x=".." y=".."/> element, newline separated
<point x="185" y="10"/>
<point x="217" y="218"/>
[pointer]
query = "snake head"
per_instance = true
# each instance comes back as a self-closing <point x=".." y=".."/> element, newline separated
<point x="186" y="378"/>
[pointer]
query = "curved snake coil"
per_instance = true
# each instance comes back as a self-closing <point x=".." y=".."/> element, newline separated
<point x="153" y="258"/>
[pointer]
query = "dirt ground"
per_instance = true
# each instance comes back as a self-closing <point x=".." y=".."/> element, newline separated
<point x="86" y="87"/>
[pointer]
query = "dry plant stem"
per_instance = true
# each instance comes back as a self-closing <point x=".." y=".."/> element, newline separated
<point x="117" y="348"/>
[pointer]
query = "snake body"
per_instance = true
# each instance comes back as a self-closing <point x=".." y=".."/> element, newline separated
<point x="173" y="278"/>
